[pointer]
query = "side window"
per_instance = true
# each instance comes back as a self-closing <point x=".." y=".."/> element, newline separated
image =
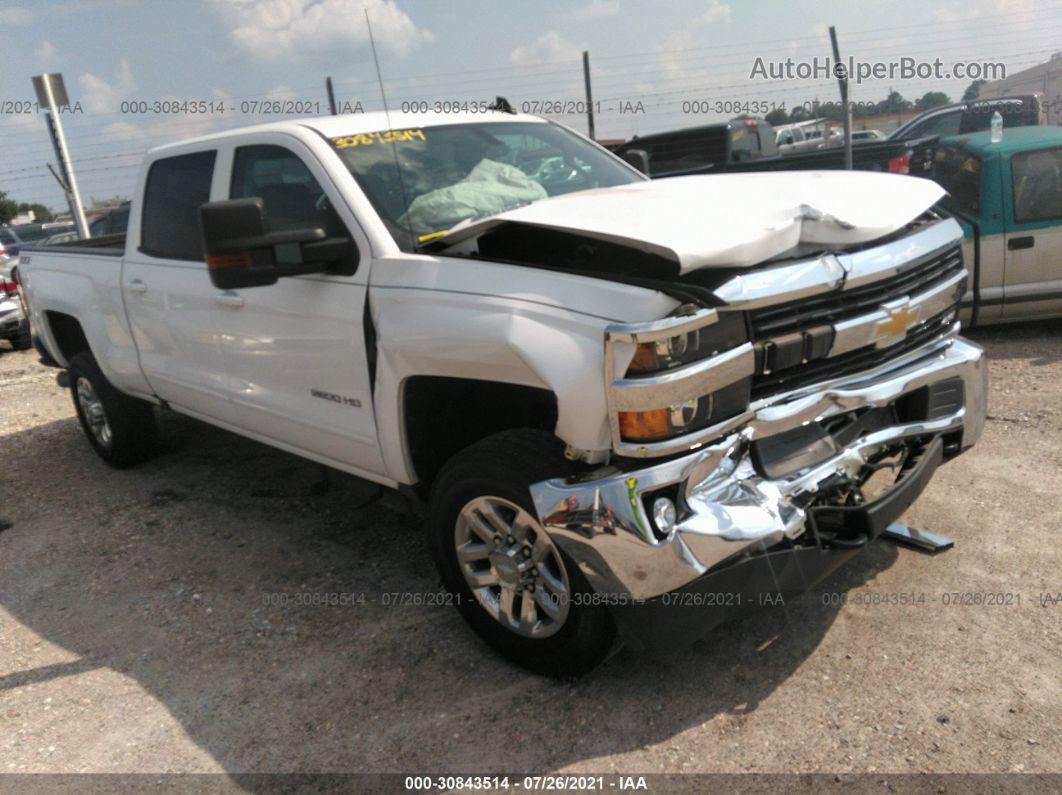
<point x="1037" y="179"/>
<point x="293" y="198"/>
<point x="7" y="238"/>
<point x="119" y="221"/>
<point x="176" y="187"/>
<point x="943" y="125"/>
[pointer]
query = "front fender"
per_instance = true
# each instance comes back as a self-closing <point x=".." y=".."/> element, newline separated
<point x="504" y="324"/>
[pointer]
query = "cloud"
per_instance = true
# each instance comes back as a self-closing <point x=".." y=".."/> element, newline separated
<point x="102" y="96"/>
<point x="715" y="11"/>
<point x="597" y="9"/>
<point x="123" y="131"/>
<point x="550" y="47"/>
<point x="280" y="93"/>
<point x="292" y="28"/>
<point x="45" y="53"/>
<point x="13" y="15"/>
<point x="672" y="60"/>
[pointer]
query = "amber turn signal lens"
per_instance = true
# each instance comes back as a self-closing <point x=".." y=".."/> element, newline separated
<point x="644" y="426"/>
<point x="219" y="262"/>
<point x="644" y="360"/>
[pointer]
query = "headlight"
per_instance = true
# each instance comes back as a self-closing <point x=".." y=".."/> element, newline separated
<point x="654" y="356"/>
<point x="688" y="373"/>
<point x="686" y="417"/>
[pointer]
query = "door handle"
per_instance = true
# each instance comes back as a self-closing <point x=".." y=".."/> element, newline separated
<point x="229" y="299"/>
<point x="1015" y="243"/>
<point x="136" y="286"/>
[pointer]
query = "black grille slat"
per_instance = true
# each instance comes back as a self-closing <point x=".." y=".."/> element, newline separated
<point x="842" y="305"/>
<point x="853" y="362"/>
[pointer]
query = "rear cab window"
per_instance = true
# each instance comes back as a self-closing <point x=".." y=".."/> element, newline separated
<point x="1037" y="182"/>
<point x="959" y="173"/>
<point x="176" y="187"/>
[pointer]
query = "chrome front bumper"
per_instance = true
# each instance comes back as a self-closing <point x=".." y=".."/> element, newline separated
<point x="734" y="510"/>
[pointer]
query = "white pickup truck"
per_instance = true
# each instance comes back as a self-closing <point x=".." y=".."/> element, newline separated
<point x="636" y="408"/>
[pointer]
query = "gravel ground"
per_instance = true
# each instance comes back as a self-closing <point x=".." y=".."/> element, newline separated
<point x="149" y="622"/>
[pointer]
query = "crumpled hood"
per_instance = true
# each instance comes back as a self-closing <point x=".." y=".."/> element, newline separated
<point x="730" y="220"/>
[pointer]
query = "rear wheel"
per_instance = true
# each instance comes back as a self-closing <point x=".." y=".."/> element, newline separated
<point x="513" y="585"/>
<point x="121" y="429"/>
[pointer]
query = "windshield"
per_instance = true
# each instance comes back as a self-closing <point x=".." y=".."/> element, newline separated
<point x="452" y="173"/>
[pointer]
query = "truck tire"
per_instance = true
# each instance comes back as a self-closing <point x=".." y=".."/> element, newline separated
<point x="511" y="583"/>
<point x="121" y="429"/>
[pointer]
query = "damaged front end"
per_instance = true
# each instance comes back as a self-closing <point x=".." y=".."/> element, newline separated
<point x="766" y="421"/>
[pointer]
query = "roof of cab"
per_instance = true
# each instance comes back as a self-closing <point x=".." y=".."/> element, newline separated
<point x="355" y="123"/>
<point x="1015" y="139"/>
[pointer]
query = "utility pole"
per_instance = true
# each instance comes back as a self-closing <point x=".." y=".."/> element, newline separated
<point x="589" y="96"/>
<point x="331" y="96"/>
<point x="843" y="82"/>
<point x="51" y="93"/>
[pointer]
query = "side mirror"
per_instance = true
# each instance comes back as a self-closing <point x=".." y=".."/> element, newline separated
<point x="638" y="158"/>
<point x="241" y="253"/>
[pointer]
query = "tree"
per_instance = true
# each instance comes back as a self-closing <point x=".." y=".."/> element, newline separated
<point x="40" y="213"/>
<point x="8" y="208"/>
<point x="776" y="117"/>
<point x="973" y="91"/>
<point x="894" y="103"/>
<point x="932" y="99"/>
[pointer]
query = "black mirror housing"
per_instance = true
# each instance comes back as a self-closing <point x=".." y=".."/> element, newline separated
<point x="241" y="253"/>
<point x="638" y="158"/>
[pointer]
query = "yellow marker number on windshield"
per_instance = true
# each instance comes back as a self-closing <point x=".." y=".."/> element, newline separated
<point x="381" y="137"/>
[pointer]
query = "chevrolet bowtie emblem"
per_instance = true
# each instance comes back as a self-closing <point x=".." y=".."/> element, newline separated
<point x="894" y="328"/>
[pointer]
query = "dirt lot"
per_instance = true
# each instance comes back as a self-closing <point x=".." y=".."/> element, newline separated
<point x="149" y="622"/>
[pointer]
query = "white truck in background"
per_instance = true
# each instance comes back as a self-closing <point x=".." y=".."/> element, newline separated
<point x="634" y="407"/>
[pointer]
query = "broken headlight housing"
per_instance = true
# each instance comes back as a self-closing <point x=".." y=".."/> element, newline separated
<point x="673" y="380"/>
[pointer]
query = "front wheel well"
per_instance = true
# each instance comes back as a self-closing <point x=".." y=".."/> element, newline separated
<point x="444" y="415"/>
<point x="69" y="337"/>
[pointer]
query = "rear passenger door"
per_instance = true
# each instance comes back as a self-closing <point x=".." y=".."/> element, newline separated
<point x="295" y="351"/>
<point x="1033" y="217"/>
<point x="168" y="296"/>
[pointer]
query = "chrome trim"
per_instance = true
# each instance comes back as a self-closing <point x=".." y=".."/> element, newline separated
<point x="670" y="388"/>
<point x="602" y="524"/>
<point x="654" y="330"/>
<point x="864" y="331"/>
<point x="899" y="256"/>
<point x="784" y="283"/>
<point x="756" y="289"/>
<point x="682" y="383"/>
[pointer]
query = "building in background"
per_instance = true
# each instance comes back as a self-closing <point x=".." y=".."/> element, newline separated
<point x="1044" y="79"/>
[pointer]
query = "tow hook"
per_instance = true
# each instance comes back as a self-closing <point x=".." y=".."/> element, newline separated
<point x="63" y="379"/>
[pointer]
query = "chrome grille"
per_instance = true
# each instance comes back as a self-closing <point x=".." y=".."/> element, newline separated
<point x="830" y="308"/>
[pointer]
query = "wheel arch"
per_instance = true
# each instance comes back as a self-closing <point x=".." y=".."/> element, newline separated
<point x="64" y="336"/>
<point x="442" y="415"/>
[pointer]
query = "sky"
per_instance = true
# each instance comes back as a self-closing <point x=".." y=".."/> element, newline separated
<point x="654" y="65"/>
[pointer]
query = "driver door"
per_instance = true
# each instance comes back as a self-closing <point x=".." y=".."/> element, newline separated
<point x="294" y="351"/>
